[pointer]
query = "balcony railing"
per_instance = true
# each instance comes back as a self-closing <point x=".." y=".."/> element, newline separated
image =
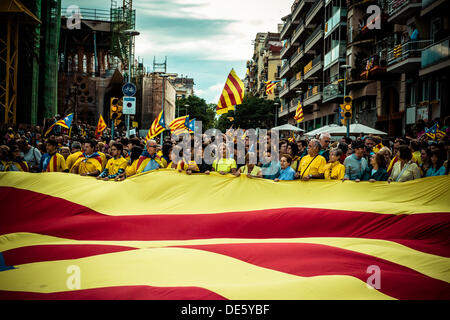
<point x="396" y="5"/>
<point x="313" y="35"/>
<point x="435" y="53"/>
<point x="333" y="90"/>
<point x="334" y="54"/>
<point x="409" y="49"/>
<point x="285" y="27"/>
<point x="373" y="65"/>
<point x="339" y="16"/>
<point x="89" y="14"/>
<point x="313" y="91"/>
<point x="311" y="11"/>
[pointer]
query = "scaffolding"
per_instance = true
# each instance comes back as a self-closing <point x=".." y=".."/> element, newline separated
<point x="13" y="13"/>
<point x="122" y="19"/>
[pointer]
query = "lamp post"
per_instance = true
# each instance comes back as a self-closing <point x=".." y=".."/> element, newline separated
<point x="131" y="33"/>
<point x="276" y="112"/>
<point x="185" y="108"/>
<point x="346" y="67"/>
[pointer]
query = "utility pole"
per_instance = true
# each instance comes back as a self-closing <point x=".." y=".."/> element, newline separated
<point x="346" y="67"/>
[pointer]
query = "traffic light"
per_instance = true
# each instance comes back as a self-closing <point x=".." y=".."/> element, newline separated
<point x="118" y="120"/>
<point x="114" y="110"/>
<point x="347" y="107"/>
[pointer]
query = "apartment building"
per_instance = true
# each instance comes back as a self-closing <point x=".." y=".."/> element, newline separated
<point x="314" y="38"/>
<point x="391" y="56"/>
<point x="265" y="64"/>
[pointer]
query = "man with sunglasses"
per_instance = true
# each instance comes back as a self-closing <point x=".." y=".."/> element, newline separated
<point x="148" y="161"/>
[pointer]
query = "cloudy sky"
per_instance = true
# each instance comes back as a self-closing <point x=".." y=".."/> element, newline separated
<point x="203" y="39"/>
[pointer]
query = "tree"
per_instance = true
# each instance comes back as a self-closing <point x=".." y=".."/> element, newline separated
<point x="198" y="109"/>
<point x="251" y="114"/>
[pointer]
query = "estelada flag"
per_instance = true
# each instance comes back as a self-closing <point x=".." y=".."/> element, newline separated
<point x="101" y="126"/>
<point x="173" y="238"/>
<point x="158" y="126"/>
<point x="181" y="122"/>
<point x="232" y="94"/>
<point x="299" y="113"/>
<point x="65" y="123"/>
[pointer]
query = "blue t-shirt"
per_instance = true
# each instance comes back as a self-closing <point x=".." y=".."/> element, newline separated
<point x="271" y="170"/>
<point x="435" y="172"/>
<point x="287" y="174"/>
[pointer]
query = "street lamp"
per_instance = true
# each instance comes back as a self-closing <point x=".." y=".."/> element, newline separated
<point x="130" y="33"/>
<point x="346" y="67"/>
<point x="276" y="112"/>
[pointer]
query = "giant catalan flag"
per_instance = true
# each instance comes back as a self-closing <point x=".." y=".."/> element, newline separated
<point x="232" y="94"/>
<point x="64" y="236"/>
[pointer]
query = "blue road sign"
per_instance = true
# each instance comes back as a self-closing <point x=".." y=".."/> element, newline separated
<point x="129" y="89"/>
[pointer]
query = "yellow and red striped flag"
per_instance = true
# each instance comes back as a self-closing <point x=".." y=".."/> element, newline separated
<point x="232" y="94"/>
<point x="299" y="113"/>
<point x="270" y="86"/>
<point x="160" y="243"/>
<point x="101" y="126"/>
<point x="179" y="123"/>
<point x="158" y="126"/>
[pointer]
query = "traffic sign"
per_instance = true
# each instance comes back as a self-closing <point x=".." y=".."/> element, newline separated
<point x="129" y="89"/>
<point x="129" y="105"/>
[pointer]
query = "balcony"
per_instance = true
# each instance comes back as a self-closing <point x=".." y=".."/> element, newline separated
<point x="406" y="57"/>
<point x="284" y="90"/>
<point x="286" y="47"/>
<point x="339" y="17"/>
<point x="313" y="38"/>
<point x="313" y="95"/>
<point x="295" y="81"/>
<point x="285" y="68"/>
<point x="297" y="55"/>
<point x="300" y="5"/>
<point x="334" y="54"/>
<point x="333" y="91"/>
<point x="434" y="54"/>
<point x="313" y="66"/>
<point x="401" y="10"/>
<point x="313" y="11"/>
<point x="298" y="31"/>
<point x="374" y="66"/>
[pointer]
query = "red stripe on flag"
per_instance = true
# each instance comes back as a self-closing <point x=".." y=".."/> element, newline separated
<point x="119" y="293"/>
<point x="427" y="232"/>
<point x="223" y="102"/>
<point x="230" y="94"/>
<point x="39" y="253"/>
<point x="236" y="84"/>
<point x="321" y="260"/>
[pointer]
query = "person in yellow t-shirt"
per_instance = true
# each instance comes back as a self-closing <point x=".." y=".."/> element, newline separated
<point x="222" y="164"/>
<point x="76" y="153"/>
<point x="52" y="161"/>
<point x="312" y="165"/>
<point x="334" y="170"/>
<point x="89" y="163"/>
<point x="250" y="169"/>
<point x="414" y="145"/>
<point x="116" y="165"/>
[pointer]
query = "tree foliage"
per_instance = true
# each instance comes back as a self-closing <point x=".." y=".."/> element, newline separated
<point x="198" y="109"/>
<point x="251" y="114"/>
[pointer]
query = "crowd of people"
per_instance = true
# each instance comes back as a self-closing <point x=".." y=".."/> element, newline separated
<point x="366" y="158"/>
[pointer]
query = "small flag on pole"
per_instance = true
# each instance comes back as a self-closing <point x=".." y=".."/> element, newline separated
<point x="232" y="94"/>
<point x="299" y="113"/>
<point x="157" y="127"/>
<point x="101" y="126"/>
<point x="181" y="122"/>
<point x="65" y="123"/>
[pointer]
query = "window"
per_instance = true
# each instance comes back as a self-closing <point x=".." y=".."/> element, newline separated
<point x="435" y="28"/>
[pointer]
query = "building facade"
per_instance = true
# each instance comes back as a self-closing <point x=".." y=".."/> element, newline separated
<point x="184" y="87"/>
<point x="391" y="56"/>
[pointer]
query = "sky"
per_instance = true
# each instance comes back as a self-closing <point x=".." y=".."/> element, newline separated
<point x="202" y="39"/>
